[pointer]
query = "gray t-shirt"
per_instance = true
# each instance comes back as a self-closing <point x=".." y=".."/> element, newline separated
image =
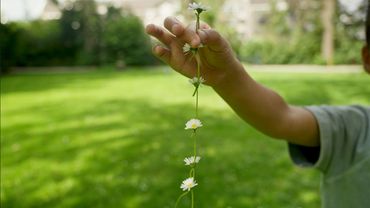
<point x="343" y="156"/>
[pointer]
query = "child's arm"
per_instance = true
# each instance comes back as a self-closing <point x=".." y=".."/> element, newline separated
<point x="256" y="104"/>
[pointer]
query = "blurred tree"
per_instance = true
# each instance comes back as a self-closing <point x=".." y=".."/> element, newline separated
<point x="80" y="37"/>
<point x="350" y="33"/>
<point x="299" y="18"/>
<point x="42" y="41"/>
<point x="351" y="22"/>
<point x="35" y="43"/>
<point x="80" y="27"/>
<point x="8" y="40"/>
<point x="124" y="40"/>
<point x="311" y="21"/>
<point x="327" y="45"/>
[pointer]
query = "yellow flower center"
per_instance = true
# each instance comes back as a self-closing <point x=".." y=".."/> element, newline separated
<point x="193" y="125"/>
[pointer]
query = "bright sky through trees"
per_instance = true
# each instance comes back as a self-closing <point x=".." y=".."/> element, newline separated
<point x="12" y="10"/>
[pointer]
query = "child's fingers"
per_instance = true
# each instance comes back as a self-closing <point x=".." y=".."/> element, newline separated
<point x="160" y="33"/>
<point x="213" y="40"/>
<point x="162" y="53"/>
<point x="204" y="25"/>
<point x="187" y="35"/>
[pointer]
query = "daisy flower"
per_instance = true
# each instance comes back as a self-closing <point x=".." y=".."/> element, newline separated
<point x="196" y="82"/>
<point x="197" y="7"/>
<point x="186" y="48"/>
<point x="191" y="160"/>
<point x="188" y="183"/>
<point x="193" y="124"/>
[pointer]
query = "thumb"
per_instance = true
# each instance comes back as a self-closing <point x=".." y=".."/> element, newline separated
<point x="213" y="40"/>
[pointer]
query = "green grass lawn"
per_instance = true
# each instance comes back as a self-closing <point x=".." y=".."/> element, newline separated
<point x="117" y="139"/>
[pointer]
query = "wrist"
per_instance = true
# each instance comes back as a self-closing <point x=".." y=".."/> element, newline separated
<point x="231" y="79"/>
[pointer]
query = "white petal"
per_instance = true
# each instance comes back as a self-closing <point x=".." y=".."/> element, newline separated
<point x="188" y="183"/>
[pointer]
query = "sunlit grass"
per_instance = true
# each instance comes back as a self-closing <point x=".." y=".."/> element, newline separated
<point x="116" y="139"/>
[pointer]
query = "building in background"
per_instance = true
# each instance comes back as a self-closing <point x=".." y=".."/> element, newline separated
<point x="51" y="11"/>
<point x="153" y="11"/>
<point x="248" y="16"/>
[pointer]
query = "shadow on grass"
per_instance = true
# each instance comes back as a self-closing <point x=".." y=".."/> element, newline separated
<point x="130" y="152"/>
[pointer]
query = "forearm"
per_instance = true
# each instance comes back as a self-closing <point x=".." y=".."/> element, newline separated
<point x="254" y="103"/>
<point x="265" y="109"/>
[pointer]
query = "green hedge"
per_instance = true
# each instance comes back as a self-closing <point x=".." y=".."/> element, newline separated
<point x="304" y="51"/>
<point x="105" y="40"/>
<point x="124" y="39"/>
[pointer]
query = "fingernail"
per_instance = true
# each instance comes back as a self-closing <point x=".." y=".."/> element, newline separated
<point x="157" y="50"/>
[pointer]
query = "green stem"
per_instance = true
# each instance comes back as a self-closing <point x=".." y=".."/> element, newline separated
<point x="194" y="135"/>
<point x="191" y="174"/>
<point x="195" y="143"/>
<point x="197" y="58"/>
<point x="195" y="147"/>
<point x="195" y="90"/>
<point x="196" y="103"/>
<point x="180" y="197"/>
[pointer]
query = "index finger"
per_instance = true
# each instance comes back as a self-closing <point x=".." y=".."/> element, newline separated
<point x="187" y="34"/>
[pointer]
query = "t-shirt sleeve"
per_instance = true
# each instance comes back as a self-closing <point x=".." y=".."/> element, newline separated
<point x="344" y="133"/>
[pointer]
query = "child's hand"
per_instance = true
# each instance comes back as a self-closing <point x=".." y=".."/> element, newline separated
<point x="218" y="62"/>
